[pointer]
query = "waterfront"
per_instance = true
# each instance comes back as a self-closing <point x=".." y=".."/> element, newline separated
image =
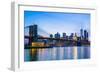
<point x="57" y="53"/>
<point x="56" y="36"/>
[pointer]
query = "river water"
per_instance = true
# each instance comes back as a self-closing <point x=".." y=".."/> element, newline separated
<point x="57" y="53"/>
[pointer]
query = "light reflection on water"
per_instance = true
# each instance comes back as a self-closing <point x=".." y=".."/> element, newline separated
<point x="57" y="53"/>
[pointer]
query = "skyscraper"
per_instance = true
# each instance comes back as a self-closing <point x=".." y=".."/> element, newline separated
<point x="85" y="34"/>
<point x="81" y="33"/>
<point x="71" y="36"/>
<point x="75" y="37"/>
<point x="64" y="35"/>
<point x="57" y="35"/>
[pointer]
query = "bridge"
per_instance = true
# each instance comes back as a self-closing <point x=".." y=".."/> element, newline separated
<point x="35" y="34"/>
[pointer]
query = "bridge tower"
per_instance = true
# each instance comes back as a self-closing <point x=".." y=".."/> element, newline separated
<point x="33" y="35"/>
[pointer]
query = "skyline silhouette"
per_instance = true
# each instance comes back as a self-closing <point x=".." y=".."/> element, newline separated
<point x="53" y="22"/>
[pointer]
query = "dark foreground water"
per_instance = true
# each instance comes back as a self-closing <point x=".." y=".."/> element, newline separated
<point x="57" y="53"/>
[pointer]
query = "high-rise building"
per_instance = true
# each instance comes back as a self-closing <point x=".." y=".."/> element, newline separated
<point x="57" y="35"/>
<point x="71" y="36"/>
<point x="81" y="33"/>
<point x="85" y="34"/>
<point x="67" y="37"/>
<point x="75" y="37"/>
<point x="64" y="35"/>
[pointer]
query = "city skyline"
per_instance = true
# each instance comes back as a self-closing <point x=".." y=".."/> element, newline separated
<point x="53" y="22"/>
<point x="83" y="35"/>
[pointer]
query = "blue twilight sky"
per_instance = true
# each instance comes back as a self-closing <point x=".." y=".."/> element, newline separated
<point x="53" y="22"/>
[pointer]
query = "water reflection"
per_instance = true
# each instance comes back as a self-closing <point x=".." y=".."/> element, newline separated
<point x="57" y="53"/>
